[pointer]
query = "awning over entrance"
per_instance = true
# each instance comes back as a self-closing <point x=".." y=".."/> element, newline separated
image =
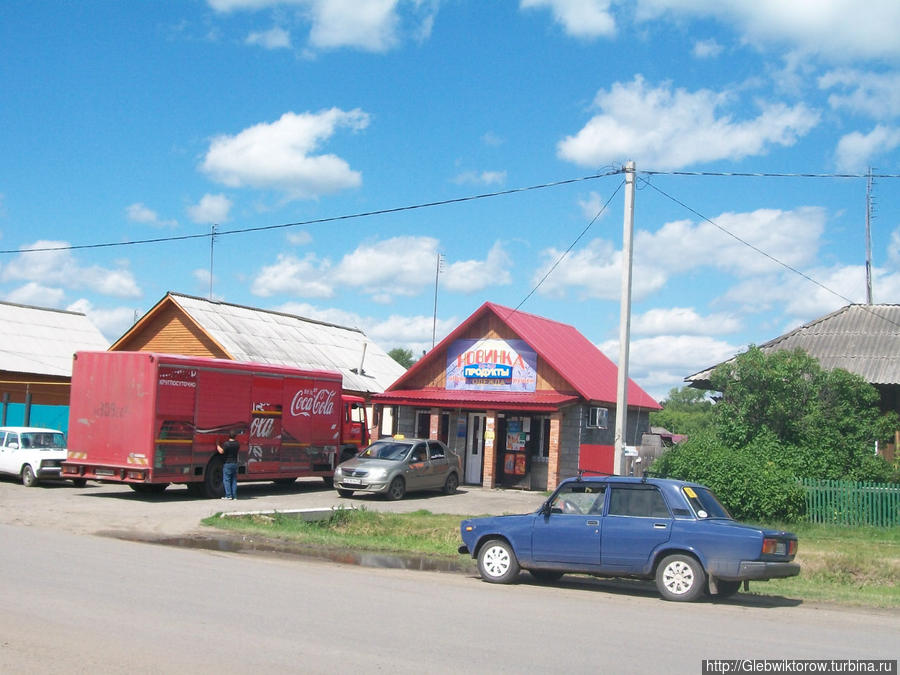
<point x="539" y="401"/>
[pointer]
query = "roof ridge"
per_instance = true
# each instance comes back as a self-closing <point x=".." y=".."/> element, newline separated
<point x="42" y="309"/>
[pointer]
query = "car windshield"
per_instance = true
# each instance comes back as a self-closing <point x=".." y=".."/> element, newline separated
<point x="44" y="440"/>
<point x="705" y="503"/>
<point x="389" y="451"/>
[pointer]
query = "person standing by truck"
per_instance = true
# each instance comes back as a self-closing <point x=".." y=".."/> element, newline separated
<point x="229" y="451"/>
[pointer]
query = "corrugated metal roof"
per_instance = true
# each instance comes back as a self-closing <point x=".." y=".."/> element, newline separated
<point x="41" y="341"/>
<point x="587" y="370"/>
<point x="262" y="336"/>
<point x="861" y="339"/>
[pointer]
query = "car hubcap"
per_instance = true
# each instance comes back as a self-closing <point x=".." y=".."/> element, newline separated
<point x="678" y="577"/>
<point x="496" y="561"/>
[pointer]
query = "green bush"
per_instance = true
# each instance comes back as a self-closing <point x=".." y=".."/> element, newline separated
<point x="748" y="483"/>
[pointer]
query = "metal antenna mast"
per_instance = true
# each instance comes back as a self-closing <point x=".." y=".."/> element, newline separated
<point x="212" y="243"/>
<point x="437" y="273"/>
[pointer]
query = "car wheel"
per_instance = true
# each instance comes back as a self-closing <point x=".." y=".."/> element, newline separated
<point x="451" y="484"/>
<point x="345" y="493"/>
<point x="28" y="477"/>
<point x="680" y="578"/>
<point x="397" y="489"/>
<point x="497" y="562"/>
<point x="725" y="589"/>
<point x="546" y="576"/>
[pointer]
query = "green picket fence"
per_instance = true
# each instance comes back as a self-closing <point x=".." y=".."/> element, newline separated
<point x="848" y="503"/>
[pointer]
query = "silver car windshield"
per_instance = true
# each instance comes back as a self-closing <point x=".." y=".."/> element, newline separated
<point x="388" y="451"/>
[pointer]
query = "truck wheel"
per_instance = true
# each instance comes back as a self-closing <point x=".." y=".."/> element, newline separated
<point x="79" y="482"/>
<point x="28" y="477"/>
<point x="680" y="578"/>
<point x="328" y="480"/>
<point x="497" y="562"/>
<point x="345" y="493"/>
<point x="213" y="483"/>
<point x="396" y="490"/>
<point x="451" y="484"/>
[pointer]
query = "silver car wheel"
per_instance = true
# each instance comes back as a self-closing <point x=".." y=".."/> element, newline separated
<point x="678" y="577"/>
<point x="496" y="561"/>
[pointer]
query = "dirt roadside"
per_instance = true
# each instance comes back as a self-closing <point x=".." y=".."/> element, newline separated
<point x="107" y="509"/>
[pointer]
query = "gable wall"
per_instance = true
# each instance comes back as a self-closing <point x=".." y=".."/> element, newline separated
<point x="434" y="376"/>
<point x="171" y="332"/>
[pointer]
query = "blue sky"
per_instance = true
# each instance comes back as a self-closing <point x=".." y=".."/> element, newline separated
<point x="131" y="121"/>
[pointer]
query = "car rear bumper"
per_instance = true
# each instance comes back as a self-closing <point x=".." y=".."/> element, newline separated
<point x="760" y="570"/>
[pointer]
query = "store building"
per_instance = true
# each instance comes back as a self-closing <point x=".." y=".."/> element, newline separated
<point x="525" y="401"/>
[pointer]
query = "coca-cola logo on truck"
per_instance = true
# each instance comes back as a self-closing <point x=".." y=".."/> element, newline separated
<point x="308" y="402"/>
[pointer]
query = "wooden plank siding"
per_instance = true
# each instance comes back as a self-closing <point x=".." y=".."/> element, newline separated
<point x="171" y="331"/>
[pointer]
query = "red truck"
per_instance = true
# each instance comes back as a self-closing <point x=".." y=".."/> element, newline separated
<point x="150" y="420"/>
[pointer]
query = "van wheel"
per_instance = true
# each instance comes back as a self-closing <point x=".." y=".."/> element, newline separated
<point x="28" y="477"/>
<point x="213" y="482"/>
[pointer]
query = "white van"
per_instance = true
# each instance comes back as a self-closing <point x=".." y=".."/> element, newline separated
<point x="32" y="453"/>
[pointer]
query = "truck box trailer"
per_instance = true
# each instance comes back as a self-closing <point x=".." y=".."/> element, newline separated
<point x="151" y="420"/>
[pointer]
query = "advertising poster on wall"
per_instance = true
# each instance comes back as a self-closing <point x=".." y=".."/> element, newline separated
<point x="491" y="365"/>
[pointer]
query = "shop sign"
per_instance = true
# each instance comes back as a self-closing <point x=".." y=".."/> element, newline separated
<point x="491" y="365"/>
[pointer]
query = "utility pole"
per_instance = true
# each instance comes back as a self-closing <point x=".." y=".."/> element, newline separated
<point x="212" y="243"/>
<point x="437" y="273"/>
<point x="624" y="324"/>
<point x="869" y="237"/>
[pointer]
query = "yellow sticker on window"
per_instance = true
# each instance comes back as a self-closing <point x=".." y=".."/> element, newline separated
<point x="690" y="492"/>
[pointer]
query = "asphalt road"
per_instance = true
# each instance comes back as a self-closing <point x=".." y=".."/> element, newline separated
<point x="71" y="601"/>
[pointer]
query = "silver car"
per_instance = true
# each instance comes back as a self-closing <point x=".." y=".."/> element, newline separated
<point x="393" y="467"/>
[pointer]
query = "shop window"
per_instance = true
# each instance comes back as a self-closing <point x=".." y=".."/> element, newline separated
<point x="598" y="418"/>
<point x="423" y="423"/>
<point x="541" y="451"/>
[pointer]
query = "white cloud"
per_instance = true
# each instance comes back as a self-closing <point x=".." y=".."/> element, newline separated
<point x="113" y="323"/>
<point x="894" y="248"/>
<point x="140" y="213"/>
<point x="37" y="295"/>
<point x="492" y="139"/>
<point x="856" y="150"/>
<point x="332" y="315"/>
<point x="280" y="155"/>
<point x="304" y="277"/>
<point x="274" y="38"/>
<point x="838" y="30"/>
<point x="706" y="49"/>
<point x="874" y="94"/>
<point x="371" y="25"/>
<point x="662" y="128"/>
<point x="791" y="237"/>
<point x="469" y="276"/>
<point x="586" y="19"/>
<point x="60" y="267"/>
<point x="211" y="209"/>
<point x="390" y="267"/>
<point x="683" y="321"/>
<point x="592" y="205"/>
<point x="299" y="238"/>
<point x="482" y="178"/>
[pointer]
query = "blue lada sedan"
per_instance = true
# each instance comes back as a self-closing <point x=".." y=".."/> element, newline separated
<point x="649" y="528"/>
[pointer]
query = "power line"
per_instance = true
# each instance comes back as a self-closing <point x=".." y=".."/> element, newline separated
<point x="736" y="174"/>
<point x="319" y="221"/>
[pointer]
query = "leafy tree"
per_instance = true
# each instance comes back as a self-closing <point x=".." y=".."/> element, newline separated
<point x="785" y="408"/>
<point x="402" y="356"/>
<point x="686" y="411"/>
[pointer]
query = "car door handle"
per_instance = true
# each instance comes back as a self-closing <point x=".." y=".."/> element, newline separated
<point x="592" y="523"/>
<point x="659" y="526"/>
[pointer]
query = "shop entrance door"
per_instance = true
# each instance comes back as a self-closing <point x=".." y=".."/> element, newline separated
<point x="475" y="448"/>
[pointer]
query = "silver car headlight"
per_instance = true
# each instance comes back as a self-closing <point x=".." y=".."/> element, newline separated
<point x="377" y="474"/>
<point x="338" y="472"/>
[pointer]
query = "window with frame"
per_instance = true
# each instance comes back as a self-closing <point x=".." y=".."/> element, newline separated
<point x="640" y="501"/>
<point x="436" y="450"/>
<point x="598" y="418"/>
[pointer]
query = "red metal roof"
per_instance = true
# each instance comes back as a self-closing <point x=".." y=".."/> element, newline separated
<point x="539" y="401"/>
<point x="590" y="373"/>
